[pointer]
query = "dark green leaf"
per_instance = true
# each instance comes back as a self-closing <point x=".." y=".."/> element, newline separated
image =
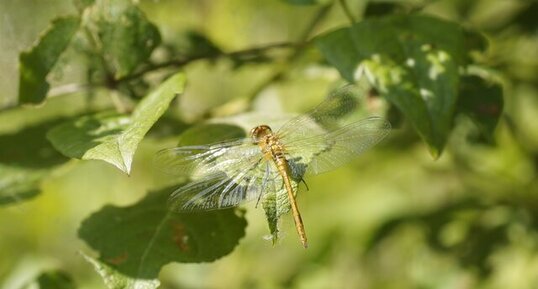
<point x="25" y="158"/>
<point x="482" y="101"/>
<point x="36" y="64"/>
<point x="413" y="62"/>
<point x="52" y="280"/>
<point x="111" y="137"/>
<point x="127" y="37"/>
<point x="377" y="9"/>
<point x="135" y="242"/>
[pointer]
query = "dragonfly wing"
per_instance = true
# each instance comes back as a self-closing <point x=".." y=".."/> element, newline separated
<point x="183" y="161"/>
<point x="234" y="175"/>
<point x="322" y="152"/>
<point x="322" y="118"/>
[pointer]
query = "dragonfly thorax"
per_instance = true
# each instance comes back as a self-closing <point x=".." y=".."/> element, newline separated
<point x="260" y="132"/>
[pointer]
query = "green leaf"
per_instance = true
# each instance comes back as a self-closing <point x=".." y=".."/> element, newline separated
<point x="127" y="37"/>
<point x="111" y="137"/>
<point x="25" y="158"/>
<point x="482" y="101"/>
<point x="276" y="203"/>
<point x="52" y="280"/>
<point x="135" y="242"/>
<point x="413" y="62"/>
<point x="116" y="280"/>
<point x="36" y="64"/>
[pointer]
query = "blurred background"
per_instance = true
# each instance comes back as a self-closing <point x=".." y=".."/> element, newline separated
<point x="394" y="218"/>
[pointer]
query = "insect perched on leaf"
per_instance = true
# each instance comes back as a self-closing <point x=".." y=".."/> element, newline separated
<point x="228" y="173"/>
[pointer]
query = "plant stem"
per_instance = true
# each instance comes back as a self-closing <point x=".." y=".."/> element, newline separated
<point x="347" y="11"/>
<point x="185" y="61"/>
<point x="281" y="71"/>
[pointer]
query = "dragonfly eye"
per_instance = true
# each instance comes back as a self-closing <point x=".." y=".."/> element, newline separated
<point x="259" y="132"/>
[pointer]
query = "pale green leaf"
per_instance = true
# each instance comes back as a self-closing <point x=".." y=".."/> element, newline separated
<point x="35" y="65"/>
<point x="111" y="137"/>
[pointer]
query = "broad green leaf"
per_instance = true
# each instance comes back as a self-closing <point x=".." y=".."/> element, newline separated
<point x="25" y="158"/>
<point x="111" y="137"/>
<point x="482" y="101"/>
<point x="115" y="279"/>
<point x="135" y="242"/>
<point x="52" y="280"/>
<point x="413" y="62"/>
<point x="35" y="65"/>
<point x="127" y="37"/>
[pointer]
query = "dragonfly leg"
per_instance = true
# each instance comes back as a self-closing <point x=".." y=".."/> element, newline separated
<point x="306" y="185"/>
<point x="259" y="198"/>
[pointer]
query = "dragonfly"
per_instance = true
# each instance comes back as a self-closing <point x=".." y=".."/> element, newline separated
<point x="227" y="174"/>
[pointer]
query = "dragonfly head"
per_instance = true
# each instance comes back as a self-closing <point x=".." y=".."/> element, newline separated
<point x="259" y="132"/>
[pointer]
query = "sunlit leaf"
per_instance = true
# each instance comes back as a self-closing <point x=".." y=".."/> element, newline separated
<point x="36" y="64"/>
<point x="135" y="242"/>
<point x="111" y="137"/>
<point x="412" y="60"/>
<point x="127" y="37"/>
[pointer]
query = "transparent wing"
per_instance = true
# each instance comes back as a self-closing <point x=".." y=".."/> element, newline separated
<point x="222" y="175"/>
<point x="325" y="152"/>
<point x="182" y="161"/>
<point x="323" y="118"/>
<point x="220" y="190"/>
<point x="318" y="142"/>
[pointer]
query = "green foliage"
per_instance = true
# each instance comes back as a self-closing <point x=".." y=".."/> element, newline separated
<point x="468" y="218"/>
<point x="36" y="64"/>
<point x="26" y="158"/>
<point x="111" y="137"/>
<point x="126" y="38"/>
<point x="135" y="242"/>
<point x="413" y="62"/>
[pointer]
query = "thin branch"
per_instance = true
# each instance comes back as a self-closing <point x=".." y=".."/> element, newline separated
<point x="185" y="61"/>
<point x="347" y="11"/>
<point x="281" y="71"/>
